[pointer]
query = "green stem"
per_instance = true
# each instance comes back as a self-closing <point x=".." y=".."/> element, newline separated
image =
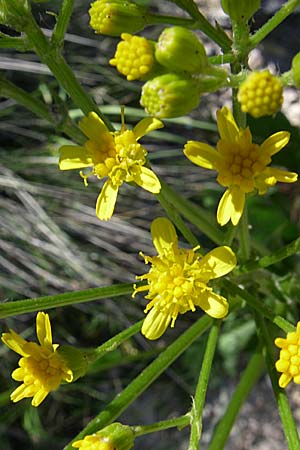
<point x="194" y="214"/>
<point x="113" y="343"/>
<point x="202" y="24"/>
<point x="10" y="90"/>
<point x="177" y="422"/>
<point x="222" y="59"/>
<point x="51" y="56"/>
<point x="266" y="261"/>
<point x="288" y="423"/>
<point x="257" y="305"/>
<point x="58" y="35"/>
<point x="145" y="378"/>
<point x="244" y="237"/>
<point x="273" y="23"/>
<point x="248" y="379"/>
<point x="200" y="395"/>
<point x="15" y="308"/>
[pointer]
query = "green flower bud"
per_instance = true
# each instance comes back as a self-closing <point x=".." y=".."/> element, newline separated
<point x="240" y="10"/>
<point x="295" y="69"/>
<point x="114" y="17"/>
<point x="170" y="95"/>
<point x="113" y="437"/>
<point x="179" y="50"/>
<point x="14" y="13"/>
<point x="77" y="360"/>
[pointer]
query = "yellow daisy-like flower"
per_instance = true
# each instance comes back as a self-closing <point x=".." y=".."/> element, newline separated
<point x="178" y="280"/>
<point x="41" y="369"/>
<point x="289" y="358"/>
<point x="116" y="155"/>
<point x="94" y="442"/>
<point x="241" y="164"/>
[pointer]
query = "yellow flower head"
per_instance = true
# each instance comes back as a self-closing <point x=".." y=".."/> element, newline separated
<point x="41" y="369"/>
<point x="242" y="165"/>
<point x="115" y="436"/>
<point x="178" y="280"/>
<point x="289" y="358"/>
<point x="134" y="57"/>
<point x="116" y="155"/>
<point x="94" y="442"/>
<point x="261" y="94"/>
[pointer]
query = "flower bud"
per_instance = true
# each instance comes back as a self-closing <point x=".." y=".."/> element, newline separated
<point x="260" y="94"/>
<point x="113" y="437"/>
<point x="114" y="17"/>
<point x="240" y="10"/>
<point x="295" y="69"/>
<point x="170" y="95"/>
<point x="14" y="13"/>
<point x="179" y="49"/>
<point x="77" y="360"/>
<point x="135" y="58"/>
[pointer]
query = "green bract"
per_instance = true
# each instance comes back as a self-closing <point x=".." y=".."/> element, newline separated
<point x="295" y="69"/>
<point x="179" y="49"/>
<point x="170" y="95"/>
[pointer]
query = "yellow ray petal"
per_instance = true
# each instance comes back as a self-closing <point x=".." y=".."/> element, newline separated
<point x="283" y="175"/>
<point x="93" y="127"/>
<point x="275" y="143"/>
<point x="163" y="235"/>
<point x="147" y="179"/>
<point x="74" y="157"/>
<point x="201" y="154"/>
<point x="231" y="206"/>
<point x="39" y="397"/>
<point x="106" y="201"/>
<point x="43" y="329"/>
<point x="145" y="126"/>
<point x="218" y="262"/>
<point x="15" y="342"/>
<point x="227" y="126"/>
<point x="155" y="323"/>
<point x="213" y="304"/>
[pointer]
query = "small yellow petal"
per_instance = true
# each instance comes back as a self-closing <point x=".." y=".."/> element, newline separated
<point x="163" y="235"/>
<point x="231" y="206"/>
<point x="275" y="143"/>
<point x="283" y="175"/>
<point x="155" y="323"/>
<point x="147" y="179"/>
<point x="93" y="127"/>
<point x="213" y="304"/>
<point x="106" y="201"/>
<point x="74" y="157"/>
<point x="15" y="342"/>
<point x="201" y="154"/>
<point x="39" y="397"/>
<point x="227" y="126"/>
<point x="284" y="380"/>
<point x="145" y="126"/>
<point x="218" y="262"/>
<point x="43" y="329"/>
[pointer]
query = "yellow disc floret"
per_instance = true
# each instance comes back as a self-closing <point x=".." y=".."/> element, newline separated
<point x="261" y="94"/>
<point x="134" y="57"/>
<point x="289" y="358"/>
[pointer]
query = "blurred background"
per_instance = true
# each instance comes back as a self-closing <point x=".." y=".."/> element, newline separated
<point x="51" y="242"/>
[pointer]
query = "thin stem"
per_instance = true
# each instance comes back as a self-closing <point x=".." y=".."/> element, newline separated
<point x="60" y="69"/>
<point x="287" y="420"/>
<point x="200" y="394"/>
<point x="145" y="378"/>
<point x="266" y="261"/>
<point x="177" y="422"/>
<point x="248" y="379"/>
<point x="259" y="306"/>
<point x="222" y="59"/>
<point x="273" y="23"/>
<point x="57" y="39"/>
<point x="244" y="237"/>
<point x="15" y="308"/>
<point x="193" y="214"/>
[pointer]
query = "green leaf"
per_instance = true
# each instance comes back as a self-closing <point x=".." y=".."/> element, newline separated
<point x="189" y="6"/>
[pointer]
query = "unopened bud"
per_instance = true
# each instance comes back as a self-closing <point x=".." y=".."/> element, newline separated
<point x="295" y="70"/>
<point x="170" y="95"/>
<point x="114" y="17"/>
<point x="113" y="437"/>
<point x="240" y="10"/>
<point x="179" y="49"/>
<point x="77" y="360"/>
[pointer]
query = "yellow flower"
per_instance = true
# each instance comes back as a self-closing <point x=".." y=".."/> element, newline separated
<point x="178" y="280"/>
<point x="289" y="358"/>
<point x="93" y="442"/>
<point x="116" y="155"/>
<point x="115" y="436"/>
<point x="242" y="165"/>
<point x="41" y="369"/>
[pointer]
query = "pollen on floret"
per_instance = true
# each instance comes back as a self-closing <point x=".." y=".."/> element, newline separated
<point x="261" y="94"/>
<point x="134" y="56"/>
<point x="289" y="358"/>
